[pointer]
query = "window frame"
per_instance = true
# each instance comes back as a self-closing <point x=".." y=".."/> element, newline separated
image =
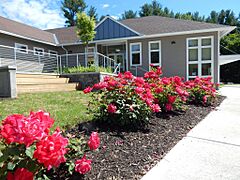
<point x="53" y="55"/>
<point x="135" y="52"/>
<point x="18" y="50"/>
<point x="158" y="50"/>
<point x="200" y="62"/>
<point x="37" y="53"/>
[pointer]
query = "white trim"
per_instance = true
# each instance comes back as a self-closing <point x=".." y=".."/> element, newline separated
<point x="140" y="52"/>
<point x="116" y="21"/>
<point x="127" y="55"/>
<point x="24" y="37"/>
<point x="115" y="59"/>
<point x="157" y="50"/>
<point x="200" y="62"/>
<point x="18" y="50"/>
<point x="50" y="51"/>
<point x="38" y="53"/>
<point x="229" y="29"/>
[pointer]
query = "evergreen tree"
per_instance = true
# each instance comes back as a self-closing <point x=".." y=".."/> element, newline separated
<point x="129" y="14"/>
<point x="146" y="10"/>
<point x="70" y="9"/>
<point x="92" y="12"/>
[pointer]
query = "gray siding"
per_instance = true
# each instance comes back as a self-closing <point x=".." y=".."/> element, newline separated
<point x="110" y="30"/>
<point x="173" y="57"/>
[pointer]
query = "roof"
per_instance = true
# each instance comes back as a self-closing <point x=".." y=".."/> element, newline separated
<point x="151" y="25"/>
<point x="17" y="29"/>
<point x="65" y="34"/>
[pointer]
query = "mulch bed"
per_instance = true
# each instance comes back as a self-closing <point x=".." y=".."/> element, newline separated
<point x="130" y="154"/>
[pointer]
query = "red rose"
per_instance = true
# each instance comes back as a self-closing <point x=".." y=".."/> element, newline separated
<point x="112" y="108"/>
<point x="94" y="141"/>
<point x="171" y="99"/>
<point x="158" y="90"/>
<point x="139" y="90"/>
<point x="20" y="174"/>
<point x="155" y="108"/>
<point x="26" y="130"/>
<point x="51" y="150"/>
<point x="83" y="165"/>
<point x="87" y="90"/>
<point x="168" y="107"/>
<point x="128" y="75"/>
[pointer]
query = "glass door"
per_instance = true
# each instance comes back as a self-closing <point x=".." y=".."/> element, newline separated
<point x="119" y="58"/>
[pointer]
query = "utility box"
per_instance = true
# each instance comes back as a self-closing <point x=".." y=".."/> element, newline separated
<point x="8" y="82"/>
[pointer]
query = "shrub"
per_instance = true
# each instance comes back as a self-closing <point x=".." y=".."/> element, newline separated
<point x="169" y="93"/>
<point x="28" y="148"/>
<point x="123" y="100"/>
<point x="82" y="69"/>
<point x="201" y="91"/>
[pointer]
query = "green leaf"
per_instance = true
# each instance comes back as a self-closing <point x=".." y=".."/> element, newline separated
<point x="29" y="151"/>
<point x="11" y="166"/>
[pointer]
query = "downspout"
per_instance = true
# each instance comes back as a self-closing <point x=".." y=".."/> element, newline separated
<point x="66" y="52"/>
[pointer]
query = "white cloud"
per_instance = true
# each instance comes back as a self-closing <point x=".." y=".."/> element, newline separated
<point x="105" y="6"/>
<point x="44" y="14"/>
<point x="115" y="17"/>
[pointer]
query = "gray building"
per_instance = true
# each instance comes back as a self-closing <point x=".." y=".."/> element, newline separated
<point x="181" y="47"/>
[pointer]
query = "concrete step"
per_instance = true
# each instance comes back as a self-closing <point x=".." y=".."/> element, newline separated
<point x="39" y="80"/>
<point x="43" y="76"/>
<point x="32" y="88"/>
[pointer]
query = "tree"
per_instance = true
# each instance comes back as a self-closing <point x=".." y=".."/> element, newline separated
<point x="146" y="10"/>
<point x="156" y="8"/>
<point x="92" y="12"/>
<point x="70" y="9"/>
<point x="213" y="18"/>
<point x="129" y="14"/>
<point x="85" y="28"/>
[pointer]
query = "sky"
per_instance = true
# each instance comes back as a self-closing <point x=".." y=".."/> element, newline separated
<point x="47" y="14"/>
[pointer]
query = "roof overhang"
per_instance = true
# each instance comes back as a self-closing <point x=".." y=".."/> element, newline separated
<point x="223" y="31"/>
<point x="226" y="59"/>
<point x="24" y="37"/>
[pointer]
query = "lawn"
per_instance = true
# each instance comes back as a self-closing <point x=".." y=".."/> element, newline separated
<point x="67" y="108"/>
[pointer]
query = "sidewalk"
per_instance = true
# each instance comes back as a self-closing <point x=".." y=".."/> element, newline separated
<point x="210" y="151"/>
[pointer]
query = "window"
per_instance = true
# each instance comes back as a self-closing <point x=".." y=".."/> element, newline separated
<point x="21" y="48"/>
<point x="136" y="54"/>
<point x="38" y="51"/>
<point x="199" y="57"/>
<point x="155" y="53"/>
<point x="52" y="53"/>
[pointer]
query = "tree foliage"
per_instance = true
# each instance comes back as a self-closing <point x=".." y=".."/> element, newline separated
<point x="129" y="14"/>
<point x="85" y="27"/>
<point x="70" y="9"/>
<point x="92" y="12"/>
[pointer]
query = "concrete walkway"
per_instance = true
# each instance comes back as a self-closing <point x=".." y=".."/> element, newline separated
<point x="211" y="150"/>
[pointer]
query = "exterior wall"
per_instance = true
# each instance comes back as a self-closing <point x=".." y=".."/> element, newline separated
<point x="7" y="40"/>
<point x="173" y="56"/>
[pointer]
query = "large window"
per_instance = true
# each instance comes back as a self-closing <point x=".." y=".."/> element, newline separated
<point x="136" y="54"/>
<point x="200" y="57"/>
<point x="38" y="51"/>
<point x="155" y="53"/>
<point x="21" y="48"/>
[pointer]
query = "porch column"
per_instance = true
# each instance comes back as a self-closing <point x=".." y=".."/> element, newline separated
<point x="126" y="56"/>
<point x="8" y="82"/>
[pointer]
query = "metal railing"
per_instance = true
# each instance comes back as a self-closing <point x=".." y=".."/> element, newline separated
<point x="28" y="61"/>
<point x="87" y="59"/>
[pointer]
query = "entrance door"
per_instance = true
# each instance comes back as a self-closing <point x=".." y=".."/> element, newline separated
<point x="119" y="58"/>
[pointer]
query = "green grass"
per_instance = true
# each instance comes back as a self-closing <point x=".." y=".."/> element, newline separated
<point x="82" y="69"/>
<point x="67" y="108"/>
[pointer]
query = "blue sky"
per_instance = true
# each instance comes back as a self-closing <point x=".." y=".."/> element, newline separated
<point x="46" y="14"/>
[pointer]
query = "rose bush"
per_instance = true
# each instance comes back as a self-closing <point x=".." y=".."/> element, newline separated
<point x="28" y="149"/>
<point x="169" y="93"/>
<point x="201" y="90"/>
<point x="123" y="100"/>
